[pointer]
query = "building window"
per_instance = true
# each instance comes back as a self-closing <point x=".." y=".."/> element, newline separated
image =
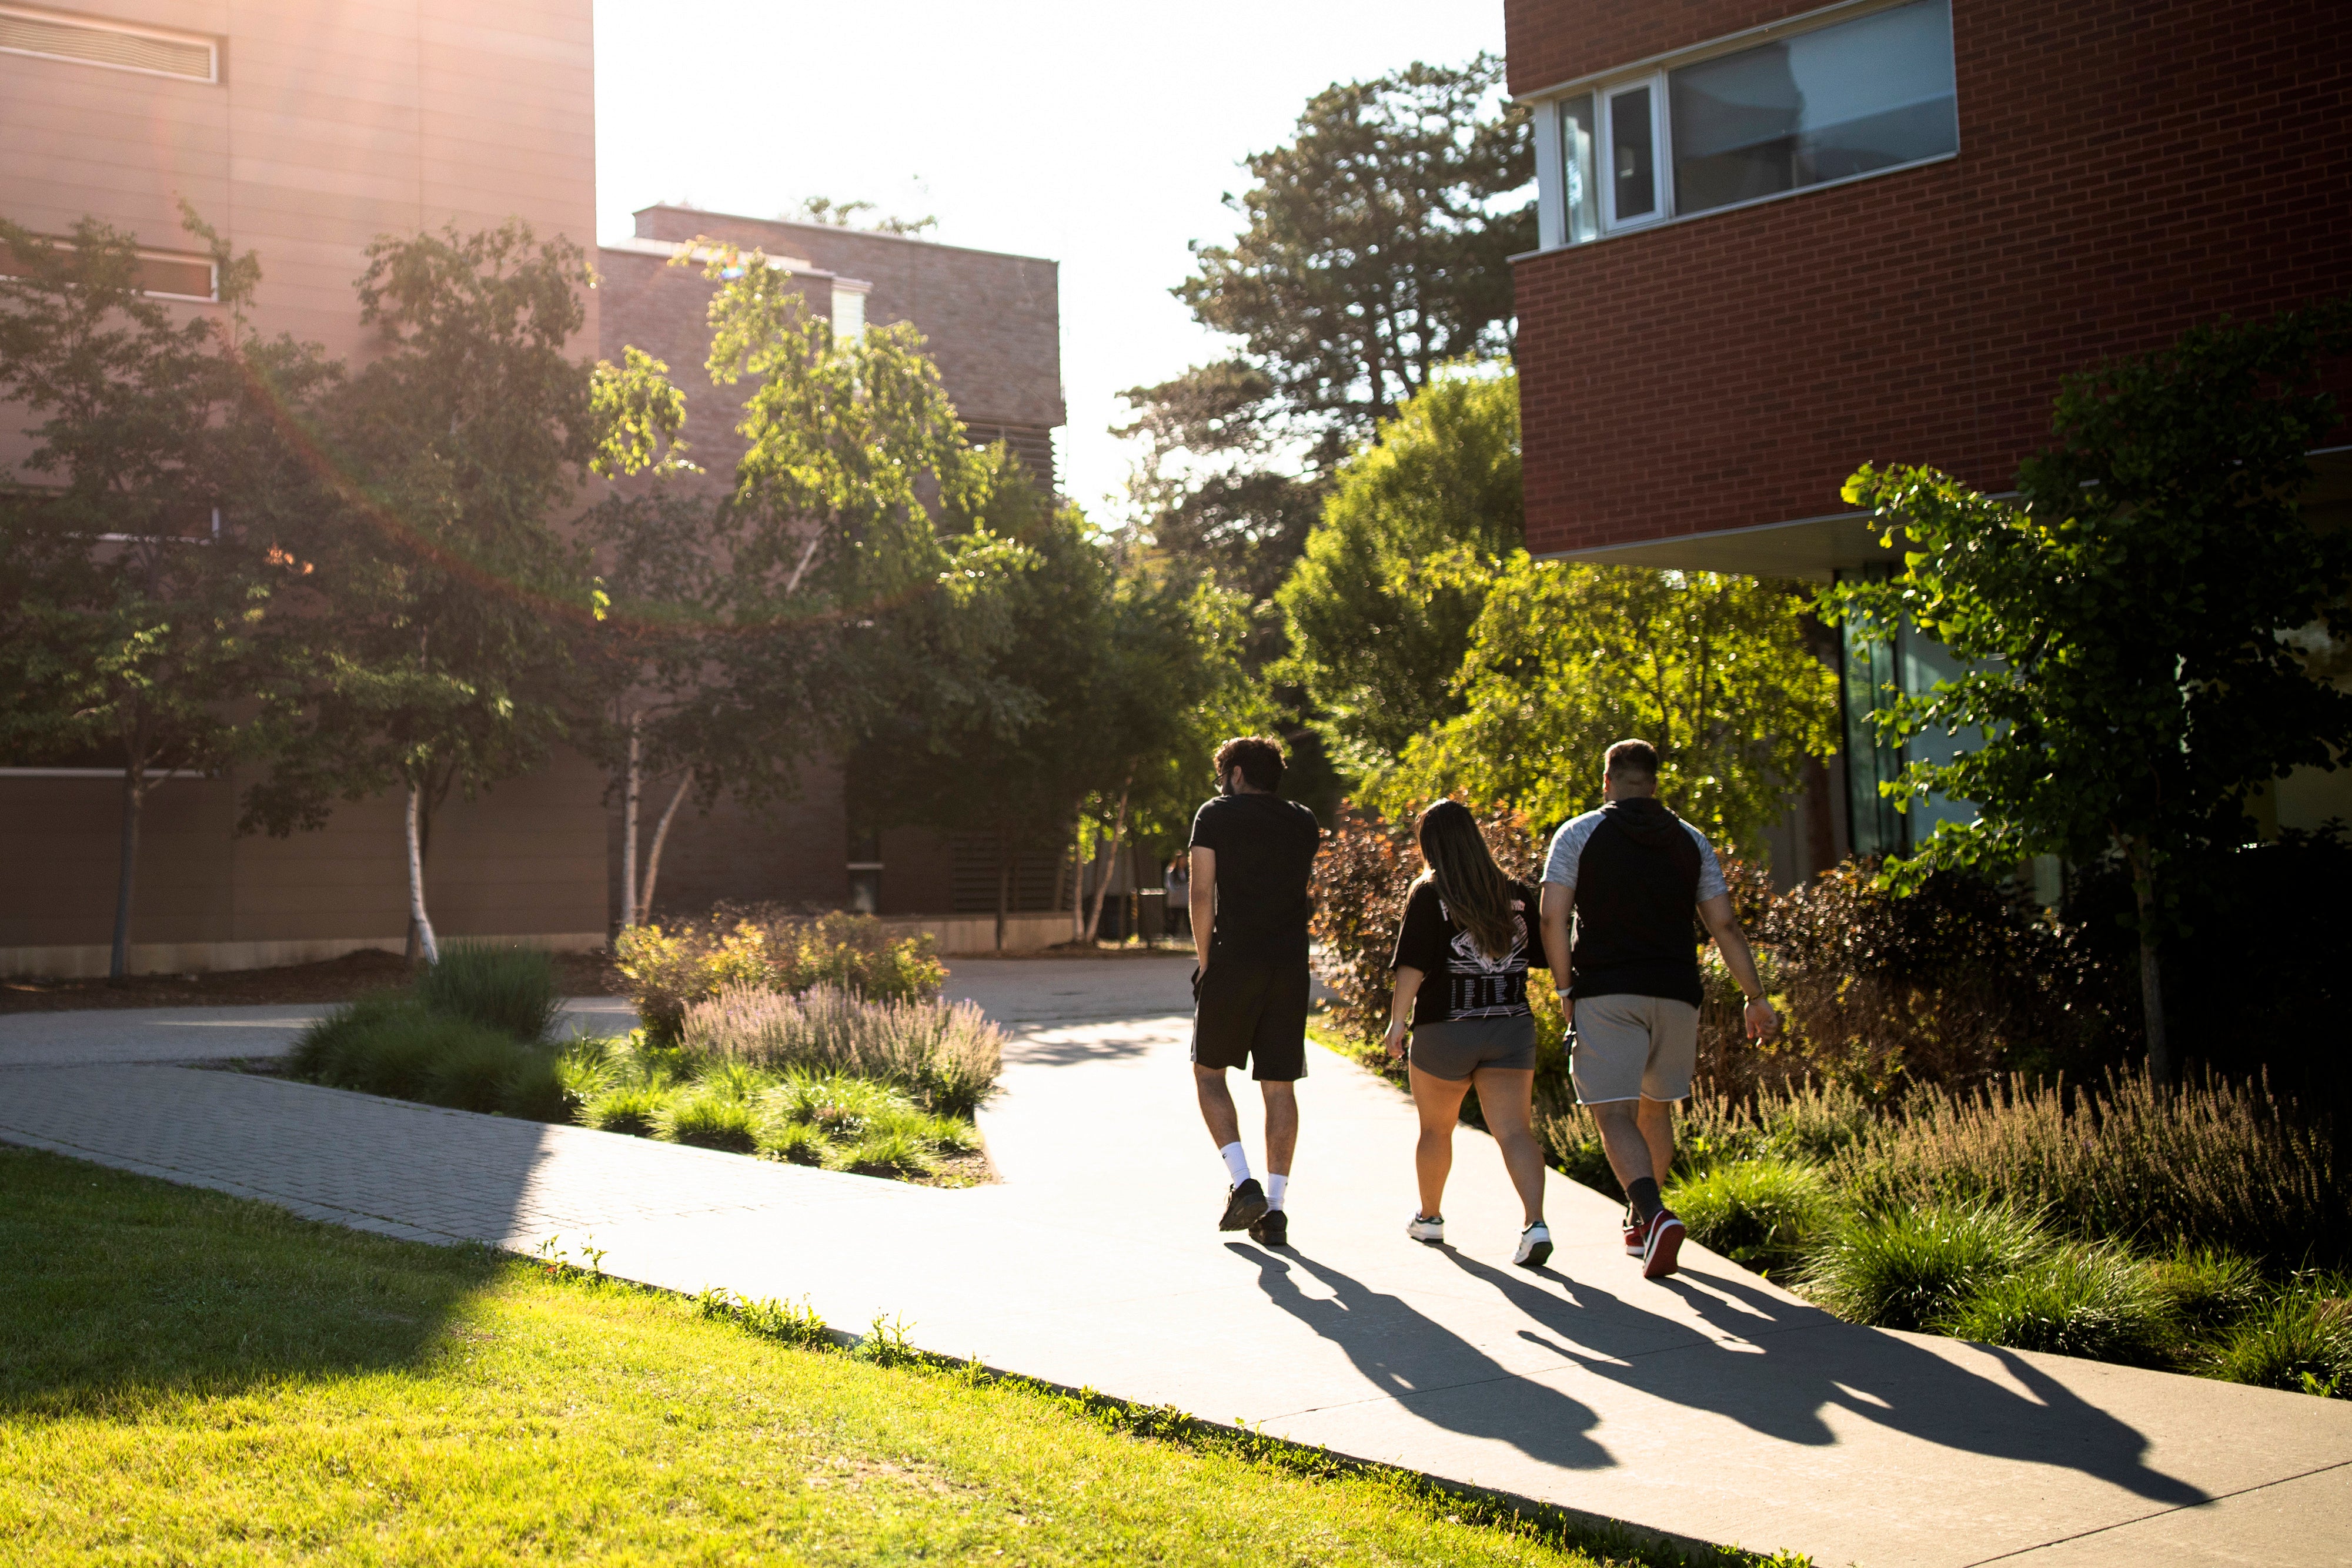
<point x="1860" y="96"/>
<point x="162" y="273"/>
<point x="866" y="874"/>
<point x="88" y="41"/>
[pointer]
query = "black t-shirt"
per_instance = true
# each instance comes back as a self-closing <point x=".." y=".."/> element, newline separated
<point x="1459" y="981"/>
<point x="1265" y="847"/>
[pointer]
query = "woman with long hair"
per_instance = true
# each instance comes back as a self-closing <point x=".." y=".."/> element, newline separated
<point x="1468" y="937"/>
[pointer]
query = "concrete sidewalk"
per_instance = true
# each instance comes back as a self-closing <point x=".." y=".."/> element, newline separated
<point x="1711" y="1405"/>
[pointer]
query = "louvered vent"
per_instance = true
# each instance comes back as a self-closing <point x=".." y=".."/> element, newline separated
<point x="105" y="44"/>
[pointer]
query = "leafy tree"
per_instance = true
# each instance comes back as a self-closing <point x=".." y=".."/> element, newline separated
<point x="1375" y="245"/>
<point x="1567" y="658"/>
<point x="136" y="573"/>
<point x="440" y="661"/>
<point x="852" y="215"/>
<point x="1379" y="611"/>
<point x="1374" y="251"/>
<point x="2142" y="630"/>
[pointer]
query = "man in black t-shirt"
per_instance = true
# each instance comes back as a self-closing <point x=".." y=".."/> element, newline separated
<point x="1252" y="852"/>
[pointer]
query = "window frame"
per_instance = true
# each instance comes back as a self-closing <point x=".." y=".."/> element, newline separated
<point x="1605" y="155"/>
<point x="210" y="43"/>
<point x="1654" y="71"/>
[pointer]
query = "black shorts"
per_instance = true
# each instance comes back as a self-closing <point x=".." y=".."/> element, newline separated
<point x="1252" y="1015"/>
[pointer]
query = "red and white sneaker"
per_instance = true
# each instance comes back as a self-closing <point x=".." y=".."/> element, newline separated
<point x="1662" y="1243"/>
<point x="1634" y="1231"/>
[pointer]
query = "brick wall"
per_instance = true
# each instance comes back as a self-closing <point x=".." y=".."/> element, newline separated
<point x="994" y="321"/>
<point x="2126" y="168"/>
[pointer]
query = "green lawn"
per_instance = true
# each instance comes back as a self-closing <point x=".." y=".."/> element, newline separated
<point x="189" y="1377"/>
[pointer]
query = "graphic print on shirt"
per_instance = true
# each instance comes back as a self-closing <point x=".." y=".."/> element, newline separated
<point x="1484" y="986"/>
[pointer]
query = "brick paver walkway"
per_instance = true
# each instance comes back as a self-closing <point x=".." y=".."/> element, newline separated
<point x="1713" y="1405"/>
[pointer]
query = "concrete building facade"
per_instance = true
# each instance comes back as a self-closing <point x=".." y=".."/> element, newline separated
<point x="301" y="132"/>
<point x="1778" y="243"/>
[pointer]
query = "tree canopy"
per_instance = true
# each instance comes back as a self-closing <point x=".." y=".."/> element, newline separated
<point x="2148" y="632"/>
<point x="1380" y="608"/>
<point x="1565" y="659"/>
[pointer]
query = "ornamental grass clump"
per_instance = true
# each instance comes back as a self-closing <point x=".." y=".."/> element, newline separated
<point x="2087" y="1298"/>
<point x="2209" y="1163"/>
<point x="949" y="1054"/>
<point x="1763" y="1214"/>
<point x="708" y="1119"/>
<point x="2300" y="1340"/>
<point x="393" y="1044"/>
<point x="1908" y="1269"/>
<point x="509" y="989"/>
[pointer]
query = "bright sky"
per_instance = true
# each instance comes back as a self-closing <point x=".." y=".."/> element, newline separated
<point x="1102" y="135"/>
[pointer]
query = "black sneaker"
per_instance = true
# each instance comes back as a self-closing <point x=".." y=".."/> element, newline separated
<point x="1271" y="1230"/>
<point x="1244" y="1204"/>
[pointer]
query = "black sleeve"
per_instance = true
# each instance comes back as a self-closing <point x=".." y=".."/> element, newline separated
<point x="1204" y="829"/>
<point x="1421" y="937"/>
<point x="1536" y="957"/>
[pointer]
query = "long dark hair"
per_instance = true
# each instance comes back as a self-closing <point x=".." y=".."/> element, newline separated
<point x="1476" y="893"/>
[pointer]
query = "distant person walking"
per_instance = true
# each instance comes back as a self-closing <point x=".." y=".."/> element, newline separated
<point x="1634" y="875"/>
<point x="1461" y="990"/>
<point x="1250" y="854"/>
<point x="1179" y="883"/>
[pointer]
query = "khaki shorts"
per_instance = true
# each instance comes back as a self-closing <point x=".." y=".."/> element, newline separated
<point x="1629" y="1048"/>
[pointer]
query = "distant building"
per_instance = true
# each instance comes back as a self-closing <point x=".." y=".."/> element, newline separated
<point x="993" y="324"/>
<point x="1776" y="245"/>
<point x="300" y="132"/>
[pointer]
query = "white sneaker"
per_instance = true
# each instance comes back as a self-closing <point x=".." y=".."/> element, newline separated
<point x="1535" y="1247"/>
<point x="1430" y="1227"/>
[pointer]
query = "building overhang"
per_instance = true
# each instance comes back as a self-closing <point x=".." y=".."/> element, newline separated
<point x="1817" y="549"/>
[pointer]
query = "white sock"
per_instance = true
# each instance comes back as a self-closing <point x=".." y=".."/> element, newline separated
<point x="1276" y="1183"/>
<point x="1236" y="1163"/>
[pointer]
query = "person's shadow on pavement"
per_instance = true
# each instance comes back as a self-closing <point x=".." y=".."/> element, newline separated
<point x="1420" y="1361"/>
<point x="1781" y="1380"/>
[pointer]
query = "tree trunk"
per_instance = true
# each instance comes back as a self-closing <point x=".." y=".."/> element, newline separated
<point x="629" y="786"/>
<point x="420" y="923"/>
<point x="661" y="836"/>
<point x="1004" y="886"/>
<point x="1078" y="882"/>
<point x="134" y="797"/>
<point x="1117" y="829"/>
<point x="2151" y="973"/>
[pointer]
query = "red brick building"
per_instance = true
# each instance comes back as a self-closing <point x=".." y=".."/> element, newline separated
<point x="1777" y="246"/>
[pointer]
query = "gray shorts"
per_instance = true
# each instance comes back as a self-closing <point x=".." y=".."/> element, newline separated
<point x="1633" y="1048"/>
<point x="1459" y="1047"/>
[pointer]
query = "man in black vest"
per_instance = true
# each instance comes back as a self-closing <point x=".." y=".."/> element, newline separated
<point x="1634" y="875"/>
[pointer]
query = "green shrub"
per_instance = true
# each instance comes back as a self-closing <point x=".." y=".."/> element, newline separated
<point x="631" y="1108"/>
<point x="509" y="989"/>
<point x="395" y="1045"/>
<point x="1908" y="1267"/>
<point x="708" y="1121"/>
<point x="534" y="1091"/>
<point x="2206" y="1291"/>
<point x="949" y="1054"/>
<point x="1760" y="1212"/>
<point x="2082" y="1298"/>
<point x="2301" y="1341"/>
<point x="670" y="969"/>
<point x="586" y="1069"/>
<point x="2209" y="1162"/>
<point x="472" y="1072"/>
<point x="361" y="1027"/>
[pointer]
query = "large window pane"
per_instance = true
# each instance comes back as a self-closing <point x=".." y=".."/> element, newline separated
<point x="1632" y="156"/>
<point x="1845" y="99"/>
<point x="1577" y="150"/>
